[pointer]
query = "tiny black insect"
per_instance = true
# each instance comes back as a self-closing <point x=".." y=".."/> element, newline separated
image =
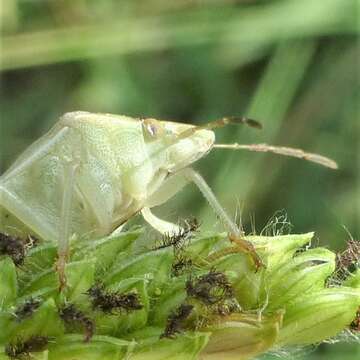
<point x="109" y="301"/>
<point x="355" y="325"/>
<point x="175" y="320"/>
<point x="211" y="288"/>
<point x="227" y="307"/>
<point x="180" y="239"/>
<point x="181" y="265"/>
<point x="71" y="315"/>
<point x="13" y="247"/>
<point x="26" y="309"/>
<point x="348" y="258"/>
<point x="22" y="349"/>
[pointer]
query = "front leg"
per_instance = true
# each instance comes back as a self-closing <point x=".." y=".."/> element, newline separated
<point x="235" y="234"/>
<point x="164" y="227"/>
<point x="169" y="188"/>
<point x="173" y="185"/>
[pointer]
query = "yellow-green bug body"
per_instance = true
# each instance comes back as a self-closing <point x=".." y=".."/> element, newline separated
<point x="118" y="164"/>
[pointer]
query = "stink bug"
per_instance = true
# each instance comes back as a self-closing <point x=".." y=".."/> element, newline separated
<point x="92" y="172"/>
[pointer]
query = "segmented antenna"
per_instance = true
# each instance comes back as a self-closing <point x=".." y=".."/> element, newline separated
<point x="282" y="150"/>
<point x="219" y="123"/>
<point x="232" y="120"/>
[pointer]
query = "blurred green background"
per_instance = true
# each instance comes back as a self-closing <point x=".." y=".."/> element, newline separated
<point x="293" y="65"/>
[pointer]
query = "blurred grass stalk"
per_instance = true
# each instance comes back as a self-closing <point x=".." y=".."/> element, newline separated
<point x="240" y="33"/>
<point x="281" y="79"/>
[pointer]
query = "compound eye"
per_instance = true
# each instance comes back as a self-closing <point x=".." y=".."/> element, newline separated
<point x="152" y="129"/>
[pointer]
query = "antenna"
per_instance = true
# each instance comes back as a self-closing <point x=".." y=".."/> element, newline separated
<point x="219" y="123"/>
<point x="282" y="150"/>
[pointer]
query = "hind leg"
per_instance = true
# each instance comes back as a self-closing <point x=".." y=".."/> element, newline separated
<point x="164" y="227"/>
<point x="65" y="219"/>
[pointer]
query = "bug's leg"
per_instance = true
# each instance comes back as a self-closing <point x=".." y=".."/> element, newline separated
<point x="164" y="227"/>
<point x="235" y="235"/>
<point x="173" y="185"/>
<point x="168" y="189"/>
<point x="118" y="230"/>
<point x="65" y="219"/>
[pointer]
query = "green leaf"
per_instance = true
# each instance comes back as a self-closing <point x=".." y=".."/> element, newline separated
<point x="172" y="295"/>
<point x="79" y="278"/>
<point x="104" y="250"/>
<point x="301" y="275"/>
<point x="241" y="336"/>
<point x="8" y="283"/>
<point x="43" y="293"/>
<point x="276" y="250"/>
<point x="319" y="316"/>
<point x="6" y="325"/>
<point x="203" y="245"/>
<point x="45" y="321"/>
<point x="46" y="279"/>
<point x="154" y="265"/>
<point x="185" y="346"/>
<point x="246" y="282"/>
<point x="38" y="259"/>
<point x="291" y="280"/>
<point x="72" y="346"/>
<point x="353" y="280"/>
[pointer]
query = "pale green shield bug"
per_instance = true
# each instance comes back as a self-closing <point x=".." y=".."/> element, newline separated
<point x="92" y="172"/>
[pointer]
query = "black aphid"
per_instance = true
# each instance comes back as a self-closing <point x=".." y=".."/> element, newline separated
<point x="13" y="247"/>
<point x="211" y="288"/>
<point x="175" y="321"/>
<point x="23" y="349"/>
<point x="227" y="307"/>
<point x="179" y="240"/>
<point x="181" y="265"/>
<point x="26" y="309"/>
<point x="16" y="247"/>
<point x="110" y="301"/>
<point x="355" y="324"/>
<point x="71" y="315"/>
<point x="348" y="258"/>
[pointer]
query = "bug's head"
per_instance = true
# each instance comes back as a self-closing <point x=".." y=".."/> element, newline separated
<point x="190" y="148"/>
<point x="183" y="144"/>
